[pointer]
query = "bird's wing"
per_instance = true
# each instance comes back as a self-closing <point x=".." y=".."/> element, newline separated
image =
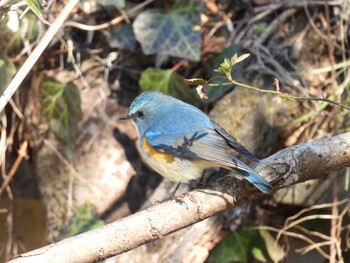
<point x="232" y="142"/>
<point x="204" y="144"/>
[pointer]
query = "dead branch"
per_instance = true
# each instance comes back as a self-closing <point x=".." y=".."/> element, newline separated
<point x="289" y="166"/>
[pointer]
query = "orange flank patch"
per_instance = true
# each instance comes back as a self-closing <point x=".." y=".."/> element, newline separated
<point x="156" y="155"/>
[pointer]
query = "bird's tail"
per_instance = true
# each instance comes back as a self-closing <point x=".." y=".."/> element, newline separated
<point x="256" y="179"/>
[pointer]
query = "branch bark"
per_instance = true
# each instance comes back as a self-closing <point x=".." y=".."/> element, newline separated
<point x="289" y="166"/>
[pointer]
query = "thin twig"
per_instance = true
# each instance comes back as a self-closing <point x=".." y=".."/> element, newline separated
<point x="296" y="235"/>
<point x="312" y="233"/>
<point x="281" y="94"/>
<point x="303" y="219"/>
<point x="330" y="47"/>
<point x="307" y="249"/>
<point x="313" y="25"/>
<point x="22" y="153"/>
<point x="39" y="49"/>
<point x="272" y="26"/>
<point x="314" y="207"/>
<point x="113" y="22"/>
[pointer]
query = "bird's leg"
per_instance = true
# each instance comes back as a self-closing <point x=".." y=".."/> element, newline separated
<point x="172" y="196"/>
<point x="202" y="182"/>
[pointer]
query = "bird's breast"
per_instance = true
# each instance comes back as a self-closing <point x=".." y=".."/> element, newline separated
<point x="170" y="166"/>
<point x="157" y="156"/>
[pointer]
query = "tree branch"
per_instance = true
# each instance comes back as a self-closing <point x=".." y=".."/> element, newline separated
<point x="289" y="166"/>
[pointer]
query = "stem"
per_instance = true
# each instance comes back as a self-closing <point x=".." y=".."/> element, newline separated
<point x="281" y="94"/>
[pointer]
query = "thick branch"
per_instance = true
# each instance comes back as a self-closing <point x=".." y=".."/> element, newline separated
<point x="289" y="166"/>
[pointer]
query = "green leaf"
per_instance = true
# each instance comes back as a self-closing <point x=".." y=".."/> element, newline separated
<point x="168" y="82"/>
<point x="276" y="252"/>
<point x="9" y="26"/>
<point x="7" y="72"/>
<point x="225" y="67"/>
<point x="227" y="62"/>
<point x="85" y="218"/>
<point x="13" y="30"/>
<point x="171" y="34"/>
<point x="123" y="38"/>
<point x="234" y="59"/>
<point x="258" y="254"/>
<point x="234" y="248"/>
<point x="242" y="57"/>
<point x="60" y="104"/>
<point x="216" y="92"/>
<point x="36" y="9"/>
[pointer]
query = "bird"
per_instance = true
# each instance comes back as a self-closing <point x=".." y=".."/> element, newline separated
<point x="179" y="141"/>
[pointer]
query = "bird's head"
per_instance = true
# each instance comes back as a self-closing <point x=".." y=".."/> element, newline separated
<point x="145" y="109"/>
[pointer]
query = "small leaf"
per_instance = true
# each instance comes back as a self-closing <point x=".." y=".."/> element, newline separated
<point x="276" y="252"/>
<point x="167" y="82"/>
<point x="219" y="70"/>
<point x="36" y="9"/>
<point x="195" y="81"/>
<point x="170" y="33"/>
<point x="14" y="30"/>
<point x="225" y="68"/>
<point x="234" y="59"/>
<point x="60" y="104"/>
<point x="216" y="92"/>
<point x="10" y="39"/>
<point x="242" y="57"/>
<point x="259" y="254"/>
<point x="227" y="62"/>
<point x="124" y="38"/>
<point x="202" y="92"/>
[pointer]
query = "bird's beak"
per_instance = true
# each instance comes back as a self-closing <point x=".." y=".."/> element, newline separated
<point x="127" y="117"/>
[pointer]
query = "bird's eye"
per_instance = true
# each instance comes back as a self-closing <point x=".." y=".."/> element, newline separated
<point x="140" y="114"/>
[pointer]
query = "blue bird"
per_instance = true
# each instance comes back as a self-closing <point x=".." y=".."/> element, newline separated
<point x="179" y="141"/>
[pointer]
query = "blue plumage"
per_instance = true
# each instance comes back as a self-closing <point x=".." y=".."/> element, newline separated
<point x="179" y="141"/>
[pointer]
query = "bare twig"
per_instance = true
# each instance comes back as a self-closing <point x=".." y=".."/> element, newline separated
<point x="330" y="47"/>
<point x="296" y="235"/>
<point x="333" y="241"/>
<point x="292" y="165"/>
<point x="314" y="26"/>
<point x="314" y="207"/>
<point x="273" y="26"/>
<point x="21" y="154"/>
<point x="115" y="21"/>
<point x="313" y="233"/>
<point x="281" y="94"/>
